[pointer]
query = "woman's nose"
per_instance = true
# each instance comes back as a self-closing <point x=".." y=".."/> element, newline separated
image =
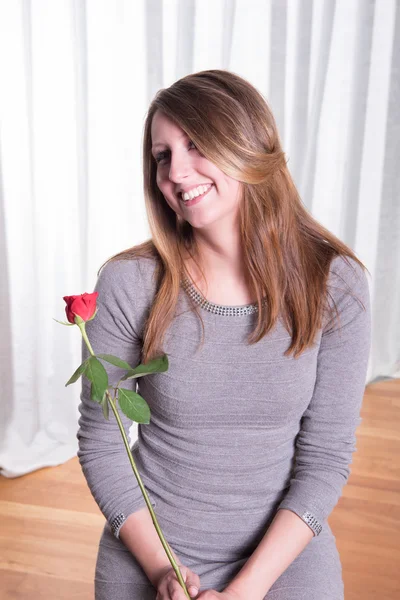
<point x="179" y="166"/>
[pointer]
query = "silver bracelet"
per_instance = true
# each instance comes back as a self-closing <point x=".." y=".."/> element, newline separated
<point x="116" y="524"/>
<point x="312" y="522"/>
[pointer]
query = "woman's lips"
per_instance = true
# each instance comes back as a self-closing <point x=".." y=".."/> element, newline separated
<point x="197" y="199"/>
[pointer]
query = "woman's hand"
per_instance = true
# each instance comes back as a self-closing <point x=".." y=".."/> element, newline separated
<point x="169" y="588"/>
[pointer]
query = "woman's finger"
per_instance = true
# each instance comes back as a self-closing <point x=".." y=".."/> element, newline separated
<point x="175" y="590"/>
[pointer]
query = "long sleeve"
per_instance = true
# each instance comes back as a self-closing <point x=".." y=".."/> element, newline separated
<point x="326" y="440"/>
<point x="115" y="330"/>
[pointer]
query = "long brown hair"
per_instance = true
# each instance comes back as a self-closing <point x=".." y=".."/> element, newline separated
<point x="286" y="252"/>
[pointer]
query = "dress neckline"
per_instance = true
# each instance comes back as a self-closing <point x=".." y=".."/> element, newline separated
<point x="212" y="307"/>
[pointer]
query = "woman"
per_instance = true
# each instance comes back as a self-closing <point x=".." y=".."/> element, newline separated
<point x="252" y="431"/>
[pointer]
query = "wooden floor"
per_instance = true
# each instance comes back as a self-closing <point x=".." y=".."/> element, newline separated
<point x="50" y="524"/>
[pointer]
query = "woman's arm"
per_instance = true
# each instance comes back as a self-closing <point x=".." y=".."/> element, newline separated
<point x="140" y="537"/>
<point x="285" y="539"/>
<point x="326" y="440"/>
<point x="102" y="454"/>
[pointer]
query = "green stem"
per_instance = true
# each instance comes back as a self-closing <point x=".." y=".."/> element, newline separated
<point x="85" y="337"/>
<point x="146" y="498"/>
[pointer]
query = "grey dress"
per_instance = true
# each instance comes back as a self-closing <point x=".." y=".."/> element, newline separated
<point x="237" y="432"/>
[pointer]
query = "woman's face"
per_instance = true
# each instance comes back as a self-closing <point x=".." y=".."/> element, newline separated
<point x="181" y="168"/>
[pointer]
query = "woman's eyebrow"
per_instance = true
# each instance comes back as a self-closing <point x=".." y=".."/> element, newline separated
<point x="164" y="144"/>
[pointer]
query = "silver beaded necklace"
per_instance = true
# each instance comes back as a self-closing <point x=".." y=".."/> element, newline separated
<point x="217" y="309"/>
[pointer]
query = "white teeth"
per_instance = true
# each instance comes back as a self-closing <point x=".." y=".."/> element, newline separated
<point x="195" y="192"/>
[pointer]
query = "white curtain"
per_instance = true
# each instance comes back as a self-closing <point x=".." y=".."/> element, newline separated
<point x="76" y="79"/>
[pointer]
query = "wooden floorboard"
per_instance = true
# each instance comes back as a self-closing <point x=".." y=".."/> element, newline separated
<point x="50" y="524"/>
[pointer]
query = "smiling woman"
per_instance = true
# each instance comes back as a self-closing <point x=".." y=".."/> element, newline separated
<point x="252" y="427"/>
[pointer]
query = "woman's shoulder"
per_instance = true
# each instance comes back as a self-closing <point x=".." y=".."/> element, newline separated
<point x="347" y="275"/>
<point x="129" y="279"/>
<point x="126" y="291"/>
<point x="132" y="270"/>
<point x="348" y="289"/>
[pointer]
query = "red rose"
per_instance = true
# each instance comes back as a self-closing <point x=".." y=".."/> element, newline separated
<point x="84" y="306"/>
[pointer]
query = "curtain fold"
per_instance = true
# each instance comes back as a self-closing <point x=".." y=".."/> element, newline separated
<point x="77" y="78"/>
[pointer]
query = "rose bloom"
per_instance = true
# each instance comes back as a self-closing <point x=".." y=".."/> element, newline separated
<point x="83" y="305"/>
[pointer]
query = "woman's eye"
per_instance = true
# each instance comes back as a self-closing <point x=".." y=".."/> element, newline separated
<point x="161" y="155"/>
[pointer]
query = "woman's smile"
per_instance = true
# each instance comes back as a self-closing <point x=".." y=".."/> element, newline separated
<point x="196" y="199"/>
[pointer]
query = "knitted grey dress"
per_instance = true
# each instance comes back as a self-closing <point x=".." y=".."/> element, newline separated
<point x="237" y="432"/>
